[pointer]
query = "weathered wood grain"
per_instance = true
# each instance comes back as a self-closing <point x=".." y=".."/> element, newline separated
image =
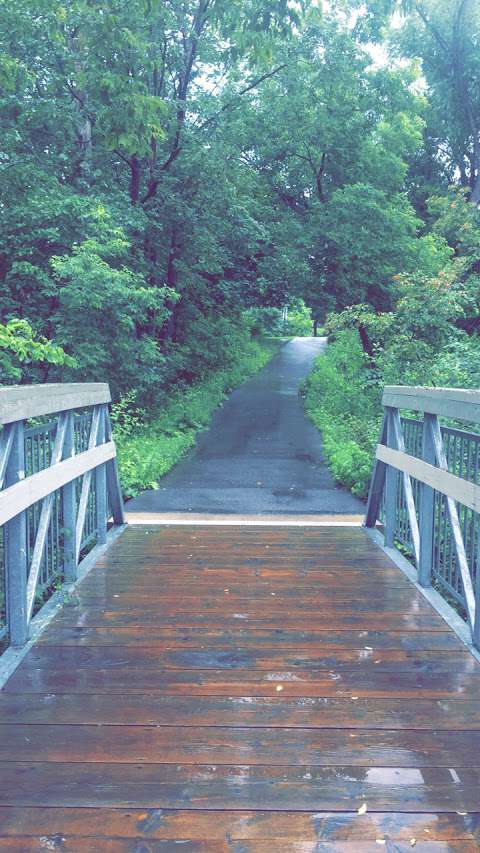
<point x="267" y="787"/>
<point x="21" y="402"/>
<point x="179" y="704"/>
<point x="228" y="745"/>
<point x="139" y="709"/>
<point x="161" y="824"/>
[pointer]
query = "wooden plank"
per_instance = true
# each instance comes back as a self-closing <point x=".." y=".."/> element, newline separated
<point x="160" y="711"/>
<point x="196" y="745"/>
<point x="241" y="787"/>
<point x="171" y="825"/>
<point x="244" y="608"/>
<point x="251" y="659"/>
<point x="457" y="403"/>
<point x="163" y="639"/>
<point x="285" y="844"/>
<point x="331" y="618"/>
<point x="20" y="402"/>
<point x="17" y="498"/>
<point x="109" y="845"/>
<point x="442" y="481"/>
<point x="300" y="683"/>
<point x="133" y="709"/>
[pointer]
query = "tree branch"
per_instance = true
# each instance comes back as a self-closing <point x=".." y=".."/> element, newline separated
<point x="243" y="91"/>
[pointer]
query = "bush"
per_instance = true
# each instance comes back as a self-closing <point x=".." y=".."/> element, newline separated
<point x="344" y="403"/>
<point x="343" y="393"/>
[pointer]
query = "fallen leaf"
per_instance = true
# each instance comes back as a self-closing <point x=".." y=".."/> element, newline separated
<point x="362" y="809"/>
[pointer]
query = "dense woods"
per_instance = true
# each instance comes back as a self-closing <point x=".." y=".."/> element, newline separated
<point x="173" y="171"/>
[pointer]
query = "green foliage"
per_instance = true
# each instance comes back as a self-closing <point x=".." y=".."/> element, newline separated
<point x="175" y="172"/>
<point x="147" y="451"/>
<point x="290" y="321"/>
<point x="20" y="346"/>
<point x="344" y="404"/>
<point x="421" y="341"/>
<point x="97" y="293"/>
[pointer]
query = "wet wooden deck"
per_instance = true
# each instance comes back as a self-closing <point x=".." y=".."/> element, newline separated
<point x="243" y="689"/>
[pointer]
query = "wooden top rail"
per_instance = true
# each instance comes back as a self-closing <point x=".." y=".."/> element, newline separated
<point x="462" y="491"/>
<point x="25" y="493"/>
<point x="20" y="402"/>
<point x="458" y="403"/>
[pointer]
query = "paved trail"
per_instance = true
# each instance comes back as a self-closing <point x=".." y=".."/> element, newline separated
<point x="260" y="455"/>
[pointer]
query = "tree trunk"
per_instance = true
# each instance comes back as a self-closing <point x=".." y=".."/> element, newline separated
<point x="134" y="179"/>
<point x="84" y="136"/>
<point x="475" y="194"/>
<point x="315" y="328"/>
<point x="169" y="329"/>
<point x="367" y="345"/>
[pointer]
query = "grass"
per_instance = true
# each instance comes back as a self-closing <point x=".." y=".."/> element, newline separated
<point x="346" y="409"/>
<point x="148" y="452"/>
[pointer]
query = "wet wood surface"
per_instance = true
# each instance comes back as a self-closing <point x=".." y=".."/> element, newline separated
<point x="243" y="689"/>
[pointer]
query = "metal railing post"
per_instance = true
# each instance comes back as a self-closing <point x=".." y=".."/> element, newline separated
<point x="390" y="486"/>
<point x="113" y="480"/>
<point x="101" y="507"/>
<point x="69" y="505"/>
<point x="476" y="624"/>
<point x="427" y="507"/>
<point x="16" y="548"/>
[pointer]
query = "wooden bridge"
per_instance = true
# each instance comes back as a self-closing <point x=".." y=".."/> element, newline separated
<point x="239" y="687"/>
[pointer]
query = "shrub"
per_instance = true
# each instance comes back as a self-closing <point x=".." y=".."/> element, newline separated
<point x="344" y="403"/>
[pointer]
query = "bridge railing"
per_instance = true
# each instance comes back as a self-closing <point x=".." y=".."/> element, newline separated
<point x="59" y="487"/>
<point x="426" y="490"/>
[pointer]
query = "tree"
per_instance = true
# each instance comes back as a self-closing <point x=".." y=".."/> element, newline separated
<point x="445" y="34"/>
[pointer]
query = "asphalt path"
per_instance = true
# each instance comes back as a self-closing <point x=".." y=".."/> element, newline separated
<point x="260" y="454"/>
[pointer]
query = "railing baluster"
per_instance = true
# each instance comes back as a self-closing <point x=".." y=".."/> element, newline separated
<point x="427" y="509"/>
<point x="16" y="547"/>
<point x="86" y="481"/>
<point x="42" y="543"/>
<point x="399" y="444"/>
<point x="378" y="482"/>
<point x="101" y="486"/>
<point x="390" y="486"/>
<point x="456" y="542"/>
<point x="476" y="624"/>
<point x="113" y="481"/>
<point x="69" y="509"/>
